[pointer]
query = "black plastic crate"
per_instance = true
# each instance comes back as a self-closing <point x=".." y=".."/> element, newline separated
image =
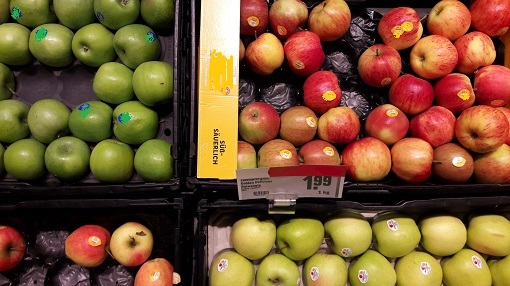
<point x="220" y="214"/>
<point x="46" y="224"/>
<point x="73" y="85"/>
<point x="388" y="186"/>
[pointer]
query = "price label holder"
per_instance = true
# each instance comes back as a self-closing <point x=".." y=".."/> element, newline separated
<point x="274" y="183"/>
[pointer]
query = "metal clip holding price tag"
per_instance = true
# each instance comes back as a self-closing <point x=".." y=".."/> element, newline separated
<point x="317" y="181"/>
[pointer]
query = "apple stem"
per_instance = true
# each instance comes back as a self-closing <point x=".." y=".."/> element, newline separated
<point x="133" y="241"/>
<point x="437" y="162"/>
<point x="377" y="52"/>
<point x="12" y="91"/>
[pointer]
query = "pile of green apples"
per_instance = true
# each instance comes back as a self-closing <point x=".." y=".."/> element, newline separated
<point x="118" y="41"/>
<point x="355" y="248"/>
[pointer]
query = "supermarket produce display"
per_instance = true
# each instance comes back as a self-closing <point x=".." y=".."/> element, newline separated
<point x="84" y="88"/>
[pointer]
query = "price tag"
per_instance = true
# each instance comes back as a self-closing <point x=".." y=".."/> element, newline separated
<point x="317" y="181"/>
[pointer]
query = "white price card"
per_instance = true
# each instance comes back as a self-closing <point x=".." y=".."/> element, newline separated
<point x="317" y="181"/>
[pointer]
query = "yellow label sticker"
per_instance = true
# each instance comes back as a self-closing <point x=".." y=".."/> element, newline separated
<point x="311" y="122"/>
<point x="299" y="65"/>
<point x="498" y="102"/>
<point x="386" y="81"/>
<point x="286" y="154"/>
<point x="155" y="275"/>
<point x="397" y="31"/>
<point x="458" y="161"/>
<point x="253" y="21"/>
<point x="464" y="94"/>
<point x="407" y="26"/>
<point x="391" y="113"/>
<point x="94" y="241"/>
<point x="281" y="30"/>
<point x="177" y="278"/>
<point x="329" y="95"/>
<point x="329" y="151"/>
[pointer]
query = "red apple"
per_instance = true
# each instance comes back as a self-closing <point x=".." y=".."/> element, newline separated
<point x="475" y="50"/>
<point x="87" y="245"/>
<point x="277" y="153"/>
<point x="321" y="91"/>
<point x="265" y="54"/>
<point x="449" y="18"/>
<point x="400" y="28"/>
<point x="254" y="17"/>
<point x="367" y="159"/>
<point x="298" y="125"/>
<point x="490" y="16"/>
<point x="319" y="152"/>
<point x="155" y="272"/>
<point x="481" y="128"/>
<point x="242" y="50"/>
<point x="339" y="125"/>
<point x="12" y="247"/>
<point x="259" y="122"/>
<point x="330" y="19"/>
<point x="131" y="244"/>
<point x="433" y="57"/>
<point x="246" y="155"/>
<point x="304" y="53"/>
<point x="454" y="92"/>
<point x="492" y="85"/>
<point x="387" y="123"/>
<point x="506" y="111"/>
<point x="493" y="167"/>
<point x="453" y="164"/>
<point x="412" y="159"/>
<point x="436" y="125"/>
<point x="411" y="94"/>
<point x="287" y="17"/>
<point x="379" y="65"/>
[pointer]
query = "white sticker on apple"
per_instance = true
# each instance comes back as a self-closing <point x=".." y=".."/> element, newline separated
<point x="363" y="276"/>
<point x="425" y="268"/>
<point x="476" y="261"/>
<point x="222" y="265"/>
<point x="314" y="273"/>
<point x="392" y="224"/>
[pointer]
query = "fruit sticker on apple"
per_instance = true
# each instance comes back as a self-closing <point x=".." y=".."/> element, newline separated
<point x="400" y="28"/>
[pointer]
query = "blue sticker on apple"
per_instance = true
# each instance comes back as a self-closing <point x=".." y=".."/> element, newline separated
<point x="124" y="117"/>
<point x="16" y="13"/>
<point x="40" y="34"/>
<point x="100" y="16"/>
<point x="84" y="110"/>
<point x="150" y="37"/>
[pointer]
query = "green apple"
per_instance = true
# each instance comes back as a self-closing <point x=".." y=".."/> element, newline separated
<point x="13" y="120"/>
<point x="466" y="268"/>
<point x="418" y="269"/>
<point x="499" y="271"/>
<point x="253" y="237"/>
<point x="7" y="82"/>
<point x="32" y="13"/>
<point x="489" y="234"/>
<point x="47" y="120"/>
<point x="14" y="49"/>
<point x="158" y="14"/>
<point x="134" y="123"/>
<point x="323" y="269"/>
<point x="4" y="11"/>
<point x="299" y="238"/>
<point x="153" y="83"/>
<point x="113" y="83"/>
<point x="395" y="234"/>
<point x="51" y="44"/>
<point x="24" y="160"/>
<point x="277" y="269"/>
<point x="75" y="14"/>
<point x="442" y="234"/>
<point x="154" y="161"/>
<point x="136" y="44"/>
<point x="91" y="121"/>
<point x="67" y="158"/>
<point x="115" y="14"/>
<point x="231" y="268"/>
<point x="93" y="45"/>
<point x="348" y="233"/>
<point x="111" y="161"/>
<point x="371" y="269"/>
<point x="2" y="151"/>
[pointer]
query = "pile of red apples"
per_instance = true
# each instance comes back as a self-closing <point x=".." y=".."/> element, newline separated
<point x="445" y="121"/>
